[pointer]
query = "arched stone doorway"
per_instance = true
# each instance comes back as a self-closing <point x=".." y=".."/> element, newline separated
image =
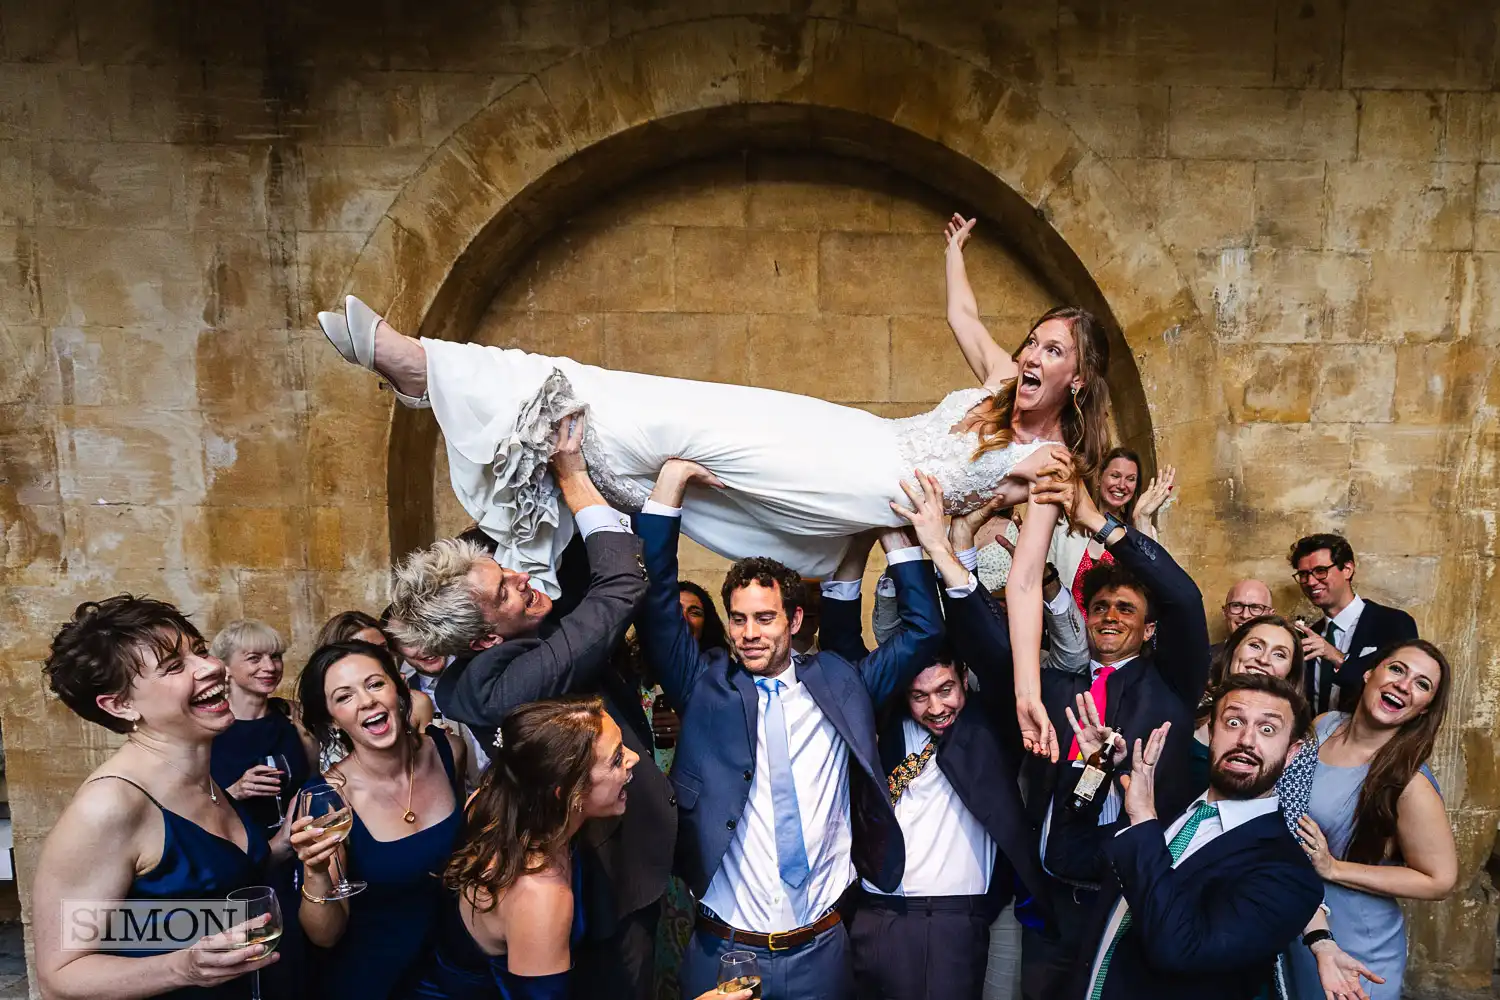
<point x="597" y="120"/>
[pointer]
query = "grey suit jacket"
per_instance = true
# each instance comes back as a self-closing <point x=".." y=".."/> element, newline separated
<point x="572" y="656"/>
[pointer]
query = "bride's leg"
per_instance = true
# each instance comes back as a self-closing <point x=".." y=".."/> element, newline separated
<point x="401" y="359"/>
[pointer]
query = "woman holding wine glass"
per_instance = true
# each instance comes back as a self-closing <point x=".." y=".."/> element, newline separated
<point x="264" y="756"/>
<point x="375" y="834"/>
<point x="150" y="823"/>
<point x="518" y="913"/>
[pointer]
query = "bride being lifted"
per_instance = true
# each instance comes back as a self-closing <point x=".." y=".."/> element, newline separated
<point x="798" y="475"/>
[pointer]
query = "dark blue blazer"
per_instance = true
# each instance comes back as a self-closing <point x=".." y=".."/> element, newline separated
<point x="1213" y="926"/>
<point x="1378" y="627"/>
<point x="716" y="699"/>
<point x="979" y="753"/>
<point x="1164" y="684"/>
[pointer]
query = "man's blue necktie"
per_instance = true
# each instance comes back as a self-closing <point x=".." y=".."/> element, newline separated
<point x="791" y="852"/>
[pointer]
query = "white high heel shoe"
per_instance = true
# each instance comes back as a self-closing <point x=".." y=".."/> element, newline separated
<point x="354" y="339"/>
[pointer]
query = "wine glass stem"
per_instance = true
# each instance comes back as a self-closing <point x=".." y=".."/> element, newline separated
<point x="255" y="985"/>
<point x="339" y="882"/>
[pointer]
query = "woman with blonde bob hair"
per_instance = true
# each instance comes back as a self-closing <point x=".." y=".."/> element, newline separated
<point x="518" y="912"/>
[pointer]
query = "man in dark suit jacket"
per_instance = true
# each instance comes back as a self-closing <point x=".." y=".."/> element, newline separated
<point x="1143" y="595"/>
<point x="513" y="647"/>
<point x="1340" y="648"/>
<point x="1201" y="905"/>
<point x="781" y="795"/>
<point x="969" y="846"/>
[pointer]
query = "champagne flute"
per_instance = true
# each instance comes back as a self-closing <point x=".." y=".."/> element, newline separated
<point x="259" y="900"/>
<point x="738" y="970"/>
<point x="279" y="762"/>
<point x="324" y="802"/>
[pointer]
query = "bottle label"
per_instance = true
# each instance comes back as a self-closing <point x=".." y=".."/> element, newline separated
<point x="1089" y="783"/>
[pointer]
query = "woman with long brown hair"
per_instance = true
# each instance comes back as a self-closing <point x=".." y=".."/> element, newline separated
<point x="517" y="913"/>
<point x="791" y="477"/>
<point x="1376" y="829"/>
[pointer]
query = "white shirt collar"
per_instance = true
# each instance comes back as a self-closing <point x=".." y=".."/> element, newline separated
<point x="1095" y="666"/>
<point x="1237" y="812"/>
<point x="787" y="677"/>
<point x="1345" y="620"/>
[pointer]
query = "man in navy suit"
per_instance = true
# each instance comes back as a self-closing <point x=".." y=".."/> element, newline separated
<point x="781" y="796"/>
<point x="1200" y="906"/>
<point x="1347" y="642"/>
<point x="952" y="760"/>
<point x="1149" y="661"/>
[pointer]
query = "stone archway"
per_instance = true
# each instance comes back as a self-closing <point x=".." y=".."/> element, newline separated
<point x="664" y="95"/>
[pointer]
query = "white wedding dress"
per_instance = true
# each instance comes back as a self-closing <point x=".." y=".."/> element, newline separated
<point x="801" y="474"/>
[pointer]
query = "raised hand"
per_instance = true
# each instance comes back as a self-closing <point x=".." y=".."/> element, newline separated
<point x="957" y="231"/>
<point x="1156" y="494"/>
<point x="314" y="846"/>
<point x="567" y="458"/>
<point x="1140" y="785"/>
<point x="1092" y="733"/>
<point x="1339" y="973"/>
<point x="926" y="512"/>
<point x="673" y="479"/>
<point x="1314" y="646"/>
<point x="963" y="527"/>
<point x="1037" y="734"/>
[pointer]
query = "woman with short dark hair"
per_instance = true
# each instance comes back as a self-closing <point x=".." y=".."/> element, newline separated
<point x="405" y="790"/>
<point x="150" y="823"/>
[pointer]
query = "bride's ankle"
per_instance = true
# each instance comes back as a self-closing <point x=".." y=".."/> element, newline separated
<point x="401" y="359"/>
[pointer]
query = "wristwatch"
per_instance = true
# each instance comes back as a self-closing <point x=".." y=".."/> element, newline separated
<point x="1313" y="937"/>
<point x="1110" y="524"/>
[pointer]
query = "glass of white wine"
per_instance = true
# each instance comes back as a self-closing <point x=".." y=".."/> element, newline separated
<point x="324" y="802"/>
<point x="738" y="970"/>
<point x="279" y="762"/>
<point x="259" y="900"/>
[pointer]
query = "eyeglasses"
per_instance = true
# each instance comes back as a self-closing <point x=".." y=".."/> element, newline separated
<point x="1253" y="610"/>
<point x="1320" y="573"/>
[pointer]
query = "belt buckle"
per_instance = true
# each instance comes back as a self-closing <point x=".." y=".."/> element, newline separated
<point x="771" y="941"/>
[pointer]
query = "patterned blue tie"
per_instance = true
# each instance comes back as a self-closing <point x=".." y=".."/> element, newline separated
<point x="791" y="852"/>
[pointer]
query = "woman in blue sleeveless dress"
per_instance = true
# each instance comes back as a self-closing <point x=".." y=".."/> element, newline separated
<point x="406" y="796"/>
<point x="1375" y="827"/>
<point x="509" y="932"/>
<point x="264" y="726"/>
<point x="150" y="823"/>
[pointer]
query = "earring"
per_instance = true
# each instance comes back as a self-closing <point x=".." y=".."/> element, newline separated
<point x="1075" y="392"/>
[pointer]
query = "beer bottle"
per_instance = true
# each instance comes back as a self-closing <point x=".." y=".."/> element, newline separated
<point x="1097" y="771"/>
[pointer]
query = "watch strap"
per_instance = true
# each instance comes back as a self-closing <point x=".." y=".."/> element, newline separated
<point x="1110" y="524"/>
<point x="1313" y="937"/>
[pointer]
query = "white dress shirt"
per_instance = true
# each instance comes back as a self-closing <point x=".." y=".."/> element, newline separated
<point x="746" y="892"/>
<point x="1232" y="813"/>
<point x="948" y="852"/>
<point x="600" y="517"/>
<point x="1346" y="622"/>
<point x="427" y="684"/>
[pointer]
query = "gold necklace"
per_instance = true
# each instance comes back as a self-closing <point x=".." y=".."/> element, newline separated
<point x="411" y="781"/>
<point x="212" y="795"/>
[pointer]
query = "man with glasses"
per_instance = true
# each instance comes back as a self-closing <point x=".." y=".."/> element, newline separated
<point x="1246" y="600"/>
<point x="1340" y="648"/>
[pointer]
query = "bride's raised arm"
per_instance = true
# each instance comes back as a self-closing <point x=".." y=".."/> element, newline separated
<point x="989" y="361"/>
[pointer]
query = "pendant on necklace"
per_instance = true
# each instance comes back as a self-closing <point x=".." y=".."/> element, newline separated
<point x="410" y="816"/>
<point x="213" y="795"/>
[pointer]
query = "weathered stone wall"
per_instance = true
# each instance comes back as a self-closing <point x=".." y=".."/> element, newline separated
<point x="1289" y="211"/>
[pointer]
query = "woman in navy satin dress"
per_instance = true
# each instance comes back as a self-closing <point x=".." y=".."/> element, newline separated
<point x="150" y="823"/>
<point x="406" y="793"/>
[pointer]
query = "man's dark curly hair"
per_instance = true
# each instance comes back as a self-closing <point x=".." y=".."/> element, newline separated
<point x="766" y="573"/>
<point x="106" y="646"/>
<point x="1110" y="576"/>
<point x="1339" y="549"/>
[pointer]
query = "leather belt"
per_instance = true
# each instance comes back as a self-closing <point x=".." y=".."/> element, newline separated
<point x="776" y="941"/>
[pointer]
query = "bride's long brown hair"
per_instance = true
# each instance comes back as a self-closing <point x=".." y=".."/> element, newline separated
<point x="1085" y="421"/>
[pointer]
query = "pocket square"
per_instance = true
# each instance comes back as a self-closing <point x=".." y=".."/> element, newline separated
<point x="1367" y="650"/>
